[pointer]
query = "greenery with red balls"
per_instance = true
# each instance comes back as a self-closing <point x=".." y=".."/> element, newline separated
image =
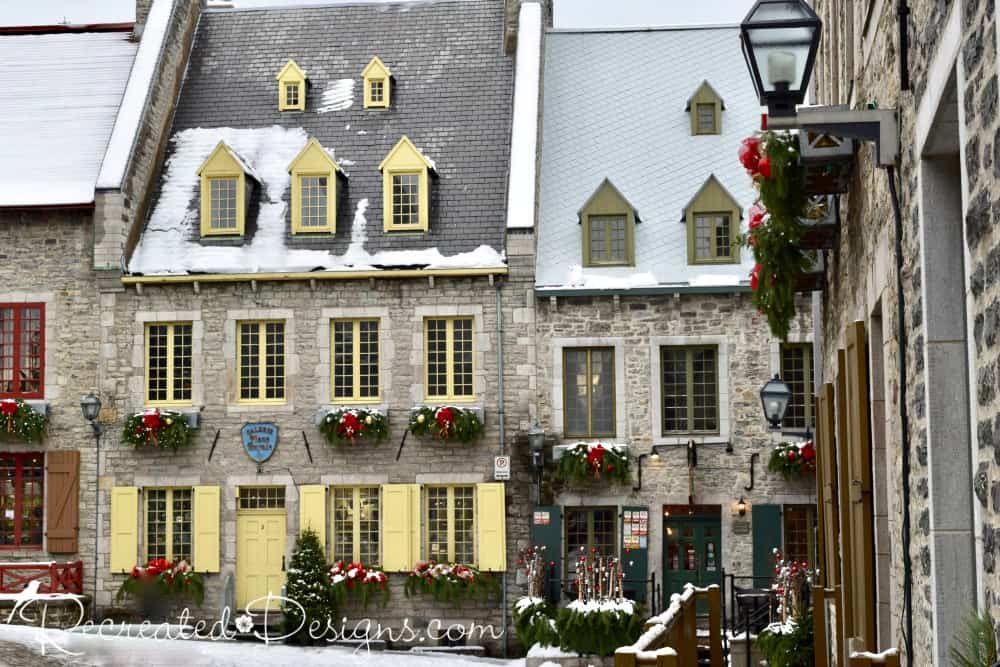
<point x="792" y="459"/>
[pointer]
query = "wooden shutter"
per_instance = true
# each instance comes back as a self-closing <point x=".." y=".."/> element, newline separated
<point x="124" y="528"/>
<point x="312" y="510"/>
<point x="860" y="510"/>
<point x="826" y="479"/>
<point x="766" y="528"/>
<point x="845" y="621"/>
<point x="546" y="531"/>
<point x="491" y="526"/>
<point x="62" y="502"/>
<point x="400" y="526"/>
<point x="635" y="562"/>
<point x="206" y="529"/>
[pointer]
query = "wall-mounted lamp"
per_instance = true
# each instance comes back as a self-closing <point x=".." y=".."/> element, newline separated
<point x="774" y="397"/>
<point x="536" y="441"/>
<point x="741" y="506"/>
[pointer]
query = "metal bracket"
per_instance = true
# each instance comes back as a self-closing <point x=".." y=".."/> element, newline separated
<point x="877" y="125"/>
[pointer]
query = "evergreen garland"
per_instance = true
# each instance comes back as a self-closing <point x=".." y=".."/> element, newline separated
<point x="341" y="427"/>
<point x="19" y="420"/>
<point x="166" y="429"/>
<point x="358" y="581"/>
<point x="586" y="461"/>
<point x="308" y="584"/>
<point x="447" y="423"/>
<point x="791" y="459"/>
<point x="790" y="644"/>
<point x="450" y="583"/>
<point x="598" y="628"/>
<point x="535" y="622"/>
<point x="165" y="579"/>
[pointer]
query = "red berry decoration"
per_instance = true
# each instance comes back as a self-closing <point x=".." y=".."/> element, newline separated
<point x="791" y="454"/>
<point x="755" y="278"/>
<point x="749" y="154"/>
<point x="764" y="167"/>
<point x="756" y="215"/>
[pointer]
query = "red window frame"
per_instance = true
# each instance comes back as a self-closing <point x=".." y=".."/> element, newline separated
<point x="11" y="356"/>
<point x="18" y="460"/>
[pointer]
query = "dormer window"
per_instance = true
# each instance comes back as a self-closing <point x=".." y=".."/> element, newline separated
<point x="223" y="192"/>
<point x="705" y="108"/>
<point x="608" y="221"/>
<point x="713" y="221"/>
<point x="378" y="84"/>
<point x="291" y="87"/>
<point x="315" y="181"/>
<point x="405" y="198"/>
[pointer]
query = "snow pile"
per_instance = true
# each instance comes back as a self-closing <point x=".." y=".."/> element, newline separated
<point x="539" y="651"/>
<point x="623" y="606"/>
<point x="338" y="96"/>
<point x="715" y="281"/>
<point x="524" y="126"/>
<point x="527" y="602"/>
<point x="587" y="279"/>
<point x="170" y="245"/>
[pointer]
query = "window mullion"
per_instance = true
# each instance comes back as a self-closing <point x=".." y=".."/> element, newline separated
<point x="451" y="524"/>
<point x="18" y="495"/>
<point x="261" y="360"/>
<point x="689" y="378"/>
<point x="449" y="356"/>
<point x="356" y="524"/>
<point x="168" y="547"/>
<point x="588" y="380"/>
<point x="170" y="362"/>
<point x="356" y="359"/>
<point x="16" y="349"/>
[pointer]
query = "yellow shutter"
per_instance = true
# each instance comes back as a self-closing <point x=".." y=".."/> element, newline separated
<point x="312" y="510"/>
<point x="845" y="620"/>
<point x="206" y="529"/>
<point x="124" y="528"/>
<point x="400" y="526"/>
<point x="491" y="522"/>
<point x="826" y="478"/>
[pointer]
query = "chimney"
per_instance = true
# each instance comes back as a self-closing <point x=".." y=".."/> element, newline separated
<point x="512" y="10"/>
<point x="141" y="14"/>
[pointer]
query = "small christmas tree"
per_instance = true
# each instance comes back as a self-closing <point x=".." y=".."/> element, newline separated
<point x="308" y="585"/>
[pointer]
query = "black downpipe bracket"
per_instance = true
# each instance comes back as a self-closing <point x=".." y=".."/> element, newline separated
<point x="904" y="418"/>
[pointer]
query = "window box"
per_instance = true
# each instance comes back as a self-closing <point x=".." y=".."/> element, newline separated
<point x="585" y="462"/>
<point x="464" y="424"/>
<point x="559" y="450"/>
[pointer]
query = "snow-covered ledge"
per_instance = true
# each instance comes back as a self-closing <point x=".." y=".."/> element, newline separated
<point x="559" y="450"/>
<point x="524" y="127"/>
<point x="323" y="411"/>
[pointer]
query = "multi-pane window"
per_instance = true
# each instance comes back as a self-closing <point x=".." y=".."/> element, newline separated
<point x="22" y="350"/>
<point x="291" y="94"/>
<point x="799" y="525"/>
<point x="168" y="363"/>
<point x="589" y="392"/>
<point x="713" y="239"/>
<point x="355" y="360"/>
<point x="690" y="386"/>
<point x="168" y="524"/>
<point x="588" y="529"/>
<point x="21" y="504"/>
<point x="262" y="361"/>
<point x="796" y="371"/>
<point x="450" y="521"/>
<point x="376" y="91"/>
<point x="406" y="200"/>
<point x="223" y="203"/>
<point x="356" y="524"/>
<point x="314" y="202"/>
<point x="706" y="118"/>
<point x="262" y="498"/>
<point x="448" y="357"/>
<point x="608" y="241"/>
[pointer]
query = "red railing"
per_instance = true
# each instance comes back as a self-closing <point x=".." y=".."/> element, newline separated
<point x="54" y="577"/>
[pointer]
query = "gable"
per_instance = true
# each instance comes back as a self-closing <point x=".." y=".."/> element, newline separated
<point x="376" y="69"/>
<point x="607" y="200"/>
<point x="705" y="93"/>
<point x="291" y="72"/>
<point x="712" y="196"/>
<point x="222" y="161"/>
<point x="313" y="158"/>
<point x="405" y="155"/>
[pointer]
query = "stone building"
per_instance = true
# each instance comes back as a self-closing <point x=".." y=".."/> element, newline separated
<point x="329" y="231"/>
<point x="928" y="468"/>
<point x="647" y="339"/>
<point x="78" y="135"/>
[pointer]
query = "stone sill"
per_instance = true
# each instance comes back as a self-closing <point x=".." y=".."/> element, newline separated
<point x="559" y="450"/>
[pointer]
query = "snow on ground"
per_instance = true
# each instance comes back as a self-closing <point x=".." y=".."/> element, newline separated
<point x="111" y="650"/>
<point x="338" y="96"/>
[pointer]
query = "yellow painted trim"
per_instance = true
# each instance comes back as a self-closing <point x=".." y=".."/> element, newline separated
<point x="291" y="74"/>
<point x="450" y="516"/>
<point x="491" y="526"/>
<point x="222" y="163"/>
<point x="355" y="397"/>
<point x="608" y="200"/>
<point x="318" y="275"/>
<point x="705" y="94"/>
<point x="399" y="515"/>
<point x="312" y="511"/>
<point x="405" y="158"/>
<point x="376" y="70"/>
<point x="205" y="535"/>
<point x="450" y="397"/>
<point x="355" y="521"/>
<point x="713" y="199"/>
<point x="261" y="364"/>
<point x="124" y="529"/>
<point x="313" y="160"/>
<point x="170" y="367"/>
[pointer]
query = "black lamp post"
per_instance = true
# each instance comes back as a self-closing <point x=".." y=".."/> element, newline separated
<point x="774" y="397"/>
<point x="90" y="406"/>
<point x="536" y="442"/>
<point x="780" y="39"/>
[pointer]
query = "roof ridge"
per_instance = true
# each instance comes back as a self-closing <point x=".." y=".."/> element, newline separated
<point x="651" y="28"/>
<point x="327" y="5"/>
<point x="66" y="28"/>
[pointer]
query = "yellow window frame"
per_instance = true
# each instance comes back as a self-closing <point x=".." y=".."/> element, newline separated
<point x="449" y="359"/>
<point x="390" y="223"/>
<point x="376" y="71"/>
<point x="169" y="537"/>
<point x="170" y="401"/>
<point x="291" y="75"/>
<point x="450" y="514"/>
<point x="261" y="363"/>
<point x="297" y="207"/>
<point x="208" y="182"/>
<point x="355" y="396"/>
<point x="716" y="258"/>
<point x="356" y="520"/>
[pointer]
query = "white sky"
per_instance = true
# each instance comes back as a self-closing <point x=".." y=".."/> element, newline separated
<point x="568" y="13"/>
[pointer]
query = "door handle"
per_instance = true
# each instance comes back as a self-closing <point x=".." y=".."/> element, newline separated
<point x="282" y="562"/>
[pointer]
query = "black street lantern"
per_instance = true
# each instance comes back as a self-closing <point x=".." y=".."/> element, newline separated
<point x="536" y="441"/>
<point x="774" y="397"/>
<point x="780" y="39"/>
<point x="90" y="405"/>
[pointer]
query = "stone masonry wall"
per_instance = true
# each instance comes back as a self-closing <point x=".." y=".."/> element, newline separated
<point x="638" y="326"/>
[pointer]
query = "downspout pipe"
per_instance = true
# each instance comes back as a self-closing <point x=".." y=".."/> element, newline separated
<point x="502" y="434"/>
<point x="904" y="421"/>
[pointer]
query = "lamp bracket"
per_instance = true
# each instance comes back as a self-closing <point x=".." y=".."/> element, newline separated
<point x="877" y="125"/>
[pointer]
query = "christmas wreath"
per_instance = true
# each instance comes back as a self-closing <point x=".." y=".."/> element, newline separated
<point x="353" y="425"/>
<point x="358" y="580"/>
<point x="793" y="459"/>
<point x="772" y="160"/>
<point x="447" y="583"/>
<point x="589" y="461"/>
<point x="20" y="420"/>
<point x="153" y="427"/>
<point x="163" y="578"/>
<point x="447" y="423"/>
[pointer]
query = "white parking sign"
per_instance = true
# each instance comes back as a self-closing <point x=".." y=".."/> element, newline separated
<point x="501" y="467"/>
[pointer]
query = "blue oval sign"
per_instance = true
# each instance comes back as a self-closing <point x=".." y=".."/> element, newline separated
<point x="260" y="440"/>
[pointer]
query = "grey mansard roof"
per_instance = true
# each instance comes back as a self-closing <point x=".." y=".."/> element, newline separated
<point x="451" y="95"/>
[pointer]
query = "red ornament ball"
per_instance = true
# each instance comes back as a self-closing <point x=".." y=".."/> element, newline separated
<point x="764" y="166"/>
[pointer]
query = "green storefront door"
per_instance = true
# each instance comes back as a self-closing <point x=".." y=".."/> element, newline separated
<point x="692" y="548"/>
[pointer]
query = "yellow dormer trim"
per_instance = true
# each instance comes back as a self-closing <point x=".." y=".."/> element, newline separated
<point x="378" y="84"/>
<point x="405" y="167"/>
<point x="705" y="109"/>
<point x="313" y="162"/>
<point x="224" y="172"/>
<point x="710" y="213"/>
<point x="291" y="87"/>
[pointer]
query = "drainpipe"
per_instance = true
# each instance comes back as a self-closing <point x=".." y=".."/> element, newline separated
<point x="500" y="425"/>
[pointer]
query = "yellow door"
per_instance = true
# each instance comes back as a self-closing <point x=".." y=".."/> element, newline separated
<point x="260" y="557"/>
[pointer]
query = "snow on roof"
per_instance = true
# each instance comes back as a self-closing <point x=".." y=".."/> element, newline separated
<point x="139" y="83"/>
<point x="170" y="244"/>
<point x="61" y="94"/>
<point x="524" y="128"/>
<point x="338" y="96"/>
<point x="592" y="129"/>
